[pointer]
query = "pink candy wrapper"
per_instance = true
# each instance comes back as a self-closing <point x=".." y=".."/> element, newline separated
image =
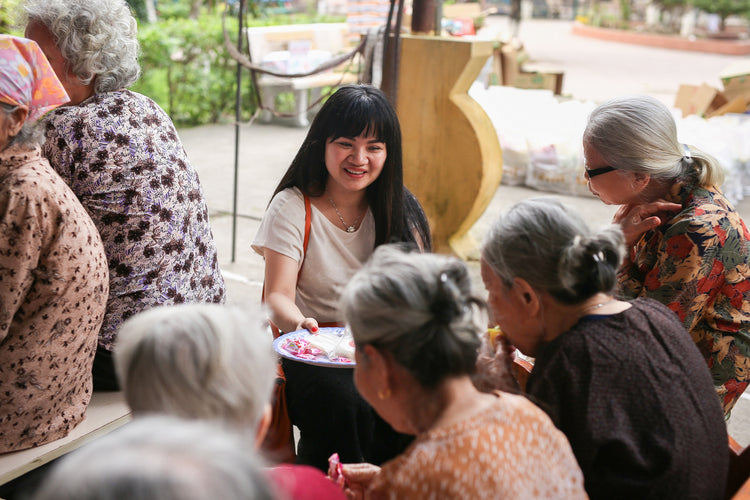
<point x="335" y="471"/>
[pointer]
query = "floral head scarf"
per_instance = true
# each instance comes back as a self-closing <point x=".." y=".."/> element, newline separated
<point x="26" y="77"/>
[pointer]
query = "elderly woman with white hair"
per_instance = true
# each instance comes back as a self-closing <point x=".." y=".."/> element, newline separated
<point x="622" y="379"/>
<point x="53" y="270"/>
<point x="121" y="155"/>
<point x="687" y="246"/>
<point x="417" y="328"/>
<point x="159" y="458"/>
<point x="213" y="363"/>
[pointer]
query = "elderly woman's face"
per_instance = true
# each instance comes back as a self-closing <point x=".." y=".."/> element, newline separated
<point x="371" y="376"/>
<point x="11" y="123"/>
<point x="42" y="36"/>
<point x="616" y="187"/>
<point x="508" y="311"/>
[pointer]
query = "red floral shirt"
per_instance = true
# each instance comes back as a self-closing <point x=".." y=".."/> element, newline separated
<point x="698" y="265"/>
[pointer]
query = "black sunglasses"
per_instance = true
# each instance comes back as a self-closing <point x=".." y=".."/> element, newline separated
<point x="593" y="172"/>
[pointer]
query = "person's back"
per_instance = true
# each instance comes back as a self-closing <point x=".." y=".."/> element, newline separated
<point x="123" y="159"/>
<point x="54" y="280"/>
<point x="631" y="393"/>
<point x="511" y="450"/>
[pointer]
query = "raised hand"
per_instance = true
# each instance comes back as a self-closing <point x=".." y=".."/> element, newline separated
<point x="638" y="219"/>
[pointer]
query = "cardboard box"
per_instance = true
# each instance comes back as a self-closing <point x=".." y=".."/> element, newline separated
<point x="736" y="79"/>
<point x="509" y="64"/>
<point x="736" y="105"/>
<point x="546" y="81"/>
<point x="699" y="100"/>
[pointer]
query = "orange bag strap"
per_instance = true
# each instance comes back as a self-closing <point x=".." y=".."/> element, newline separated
<point x="305" y="240"/>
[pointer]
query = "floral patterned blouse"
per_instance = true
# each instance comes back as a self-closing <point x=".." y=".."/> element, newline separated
<point x="698" y="265"/>
<point x="53" y="290"/>
<point x="121" y="155"/>
<point x="510" y="450"/>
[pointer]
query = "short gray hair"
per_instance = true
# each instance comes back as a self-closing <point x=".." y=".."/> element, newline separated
<point x="159" y="458"/>
<point x="551" y="247"/>
<point x="420" y="308"/>
<point x="201" y="361"/>
<point x="98" y="38"/>
<point x="30" y="134"/>
<point x="639" y="134"/>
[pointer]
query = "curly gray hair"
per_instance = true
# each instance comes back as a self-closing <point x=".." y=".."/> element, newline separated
<point x="96" y="37"/>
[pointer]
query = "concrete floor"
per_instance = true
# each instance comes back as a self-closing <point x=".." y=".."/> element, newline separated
<point x="594" y="70"/>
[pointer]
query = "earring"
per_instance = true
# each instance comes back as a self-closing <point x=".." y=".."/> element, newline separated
<point x="384" y="394"/>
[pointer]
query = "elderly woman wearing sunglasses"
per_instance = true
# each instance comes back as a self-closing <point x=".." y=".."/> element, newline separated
<point x="687" y="246"/>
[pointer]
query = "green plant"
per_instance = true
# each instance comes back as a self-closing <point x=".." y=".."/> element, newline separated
<point x="8" y="13"/>
<point x="139" y="9"/>
<point x="187" y="70"/>
<point x="625" y="10"/>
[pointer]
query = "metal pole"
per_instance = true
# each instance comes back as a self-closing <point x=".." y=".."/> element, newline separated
<point x="237" y="118"/>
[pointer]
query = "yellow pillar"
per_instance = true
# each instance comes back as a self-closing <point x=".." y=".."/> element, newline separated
<point x="452" y="157"/>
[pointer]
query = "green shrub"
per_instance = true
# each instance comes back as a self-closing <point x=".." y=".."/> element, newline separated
<point x="8" y="13"/>
<point x="186" y="69"/>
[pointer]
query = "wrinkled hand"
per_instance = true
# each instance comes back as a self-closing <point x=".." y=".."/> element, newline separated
<point x="358" y="479"/>
<point x="494" y="366"/>
<point x="310" y="324"/>
<point x="638" y="219"/>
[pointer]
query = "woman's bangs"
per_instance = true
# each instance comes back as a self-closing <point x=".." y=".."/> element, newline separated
<point x="363" y="117"/>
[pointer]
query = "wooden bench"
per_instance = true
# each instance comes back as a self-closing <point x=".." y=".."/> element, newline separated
<point x="106" y="412"/>
<point x="738" y="481"/>
<point x="298" y="48"/>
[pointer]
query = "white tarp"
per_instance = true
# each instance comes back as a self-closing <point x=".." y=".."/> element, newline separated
<point x="541" y="139"/>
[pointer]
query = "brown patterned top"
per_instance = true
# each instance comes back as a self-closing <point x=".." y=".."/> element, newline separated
<point x="121" y="155"/>
<point x="53" y="290"/>
<point x="507" y="451"/>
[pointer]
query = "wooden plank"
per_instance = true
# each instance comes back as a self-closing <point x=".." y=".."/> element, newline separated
<point x="452" y="157"/>
<point x="106" y="412"/>
<point x="739" y="470"/>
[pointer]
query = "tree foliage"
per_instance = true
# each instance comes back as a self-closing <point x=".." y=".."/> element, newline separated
<point x="724" y="8"/>
<point x="9" y="10"/>
<point x="186" y="69"/>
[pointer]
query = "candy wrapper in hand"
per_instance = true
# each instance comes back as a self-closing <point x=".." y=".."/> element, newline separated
<point x="335" y="471"/>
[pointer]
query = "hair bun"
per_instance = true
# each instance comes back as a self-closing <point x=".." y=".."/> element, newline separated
<point x="444" y="307"/>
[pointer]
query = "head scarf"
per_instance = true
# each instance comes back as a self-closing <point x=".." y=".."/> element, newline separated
<point x="26" y="77"/>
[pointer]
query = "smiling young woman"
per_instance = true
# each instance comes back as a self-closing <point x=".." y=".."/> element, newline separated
<point x="349" y="169"/>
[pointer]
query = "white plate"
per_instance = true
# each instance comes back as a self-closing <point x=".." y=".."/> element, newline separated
<point x="321" y="360"/>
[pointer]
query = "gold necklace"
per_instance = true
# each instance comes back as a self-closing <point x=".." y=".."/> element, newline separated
<point x="349" y="228"/>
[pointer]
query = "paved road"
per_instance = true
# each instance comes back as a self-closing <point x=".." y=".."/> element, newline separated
<point x="598" y="70"/>
<point x="594" y="70"/>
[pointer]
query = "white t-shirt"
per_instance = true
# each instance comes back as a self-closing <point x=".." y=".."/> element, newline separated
<point x="333" y="255"/>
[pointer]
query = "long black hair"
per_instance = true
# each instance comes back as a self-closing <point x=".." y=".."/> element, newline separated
<point x="351" y="111"/>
